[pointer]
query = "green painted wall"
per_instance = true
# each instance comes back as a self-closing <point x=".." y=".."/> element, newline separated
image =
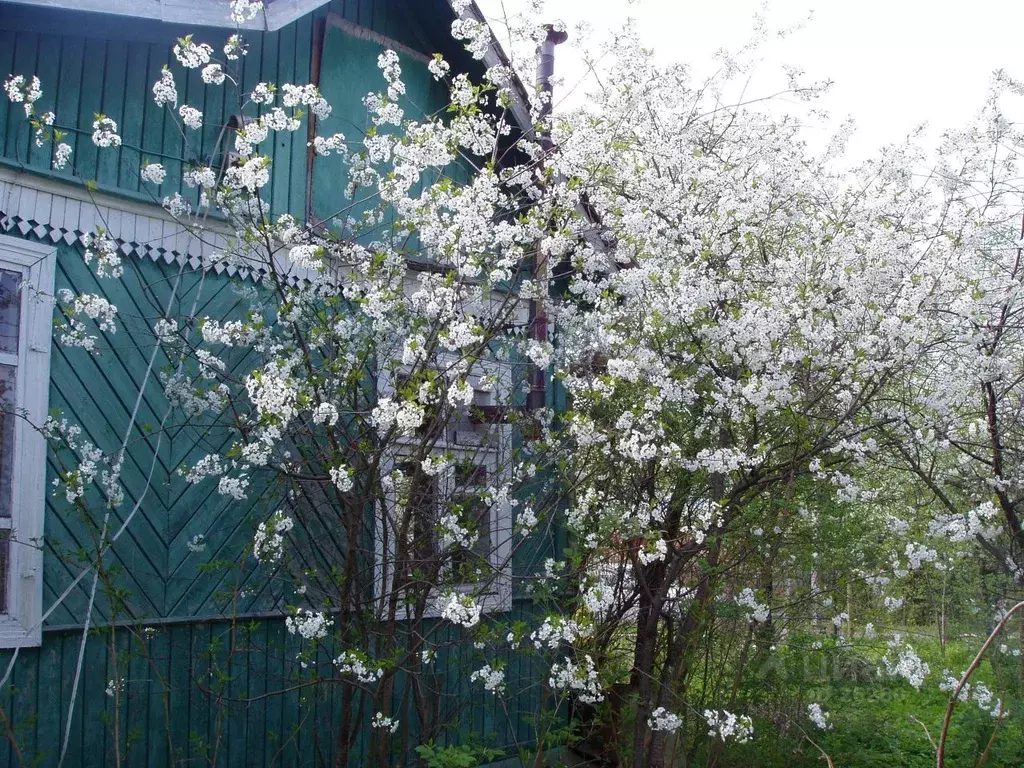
<point x="98" y="392"/>
<point x="348" y="72"/>
<point x="92" y="64"/>
<point x="218" y="694"/>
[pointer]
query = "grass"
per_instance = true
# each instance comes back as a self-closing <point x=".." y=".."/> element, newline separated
<point x="877" y="721"/>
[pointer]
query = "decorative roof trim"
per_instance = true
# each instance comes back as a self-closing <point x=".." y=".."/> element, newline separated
<point x="205" y="13"/>
<point x="57" y="212"/>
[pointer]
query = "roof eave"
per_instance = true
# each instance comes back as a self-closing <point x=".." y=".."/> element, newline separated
<point x="200" y="13"/>
<point x="495" y="56"/>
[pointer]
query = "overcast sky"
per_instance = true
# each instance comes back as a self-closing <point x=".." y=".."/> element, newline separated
<point x="895" y="63"/>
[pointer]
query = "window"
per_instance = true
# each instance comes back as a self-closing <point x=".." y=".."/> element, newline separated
<point x="25" y="331"/>
<point x="473" y="513"/>
<point x="477" y="452"/>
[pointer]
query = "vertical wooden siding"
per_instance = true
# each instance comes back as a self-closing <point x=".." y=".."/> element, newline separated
<point x="82" y="76"/>
<point x="109" y="67"/>
<point x="192" y="690"/>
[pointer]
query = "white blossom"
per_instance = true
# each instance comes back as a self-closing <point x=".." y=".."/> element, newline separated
<point x="104" y="250"/>
<point x="438" y="67"/>
<point x="493" y="679"/>
<point x="459" y="609"/>
<point x="356" y="665"/>
<point x="154" y="173"/>
<point x="907" y="663"/>
<point x="73" y="332"/>
<point x="310" y="625"/>
<point x="663" y="720"/>
<point x="61" y="155"/>
<point x="235" y="48"/>
<point x="191" y="117"/>
<point x="341" y="476"/>
<point x="213" y="74"/>
<point x="388" y="723"/>
<point x="104" y="132"/>
<point x="581" y="679"/>
<point x="756" y="611"/>
<point x="818" y="716"/>
<point x="244" y="11"/>
<point x="324" y="146"/>
<point x="177" y="206"/>
<point x="191" y="54"/>
<point x="268" y="543"/>
<point x="725" y="726"/>
<point x="164" y="90"/>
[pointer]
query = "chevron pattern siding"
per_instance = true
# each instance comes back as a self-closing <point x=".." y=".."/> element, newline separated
<point x="159" y="574"/>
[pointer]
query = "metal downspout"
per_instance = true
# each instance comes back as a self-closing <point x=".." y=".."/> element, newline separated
<point x="540" y="272"/>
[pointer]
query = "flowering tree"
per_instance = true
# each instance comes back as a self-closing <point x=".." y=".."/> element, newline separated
<point x="956" y="421"/>
<point x="741" y="331"/>
<point x="742" y="315"/>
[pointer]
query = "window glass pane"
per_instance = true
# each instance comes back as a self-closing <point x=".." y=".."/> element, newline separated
<point x="420" y="492"/>
<point x="469" y="474"/>
<point x="474" y="513"/>
<point x="8" y="374"/>
<point x="10" y="310"/>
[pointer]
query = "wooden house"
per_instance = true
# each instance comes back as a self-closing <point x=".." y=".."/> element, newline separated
<point x="201" y="664"/>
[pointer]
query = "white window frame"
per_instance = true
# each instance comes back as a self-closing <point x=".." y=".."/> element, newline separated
<point x="498" y="595"/>
<point x="21" y="625"/>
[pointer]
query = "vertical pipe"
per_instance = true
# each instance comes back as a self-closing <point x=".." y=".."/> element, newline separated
<point x="541" y="272"/>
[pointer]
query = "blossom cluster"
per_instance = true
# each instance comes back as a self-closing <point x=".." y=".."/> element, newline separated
<point x="21" y="90"/>
<point x="977" y="692"/>
<point x="906" y="664"/>
<point x="726" y="725"/>
<point x="105" y="251"/>
<point x="310" y="625"/>
<point x="354" y="664"/>
<point x="557" y="630"/>
<point x="581" y="679"/>
<point x="493" y="679"/>
<point x="104" y="132"/>
<point x="460" y="609"/>
<point x="389" y="724"/>
<point x="756" y="611"/>
<point x="663" y="720"/>
<point x="92" y="464"/>
<point x="243" y="11"/>
<point x="818" y="716"/>
<point x="73" y="331"/>
<point x="268" y="542"/>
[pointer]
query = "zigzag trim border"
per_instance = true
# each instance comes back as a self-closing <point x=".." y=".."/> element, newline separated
<point x="49" y="232"/>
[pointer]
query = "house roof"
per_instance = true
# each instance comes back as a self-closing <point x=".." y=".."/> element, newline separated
<point x="205" y="13"/>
